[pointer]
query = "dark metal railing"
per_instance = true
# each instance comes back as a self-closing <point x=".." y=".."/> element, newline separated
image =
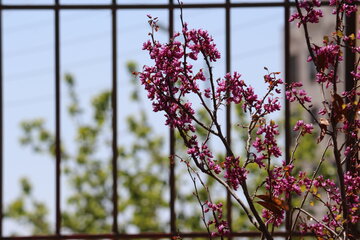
<point x="57" y="7"/>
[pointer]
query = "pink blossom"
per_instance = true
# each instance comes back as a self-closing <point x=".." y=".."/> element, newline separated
<point x="347" y="6"/>
<point x="293" y="93"/>
<point x="326" y="56"/>
<point x="222" y="226"/>
<point x="199" y="41"/>
<point x="352" y="184"/>
<point x="268" y="145"/>
<point x="306" y="128"/>
<point x="270" y="217"/>
<point x="272" y="105"/>
<point x="312" y="15"/>
<point x="322" y="111"/>
<point x="281" y="182"/>
<point x="203" y="154"/>
<point x="234" y="174"/>
<point x="233" y="85"/>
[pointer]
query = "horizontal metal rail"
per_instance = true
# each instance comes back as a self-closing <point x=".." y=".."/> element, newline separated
<point x="147" y="235"/>
<point x="148" y="6"/>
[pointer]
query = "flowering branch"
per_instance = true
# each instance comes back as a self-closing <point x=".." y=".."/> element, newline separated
<point x="341" y="115"/>
<point x="314" y="218"/>
<point x="172" y="81"/>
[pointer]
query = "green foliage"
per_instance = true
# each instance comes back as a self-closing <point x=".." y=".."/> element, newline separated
<point x="73" y="107"/>
<point x="37" y="136"/>
<point x="101" y="106"/>
<point x="25" y="186"/>
<point x="88" y="207"/>
<point x="28" y="211"/>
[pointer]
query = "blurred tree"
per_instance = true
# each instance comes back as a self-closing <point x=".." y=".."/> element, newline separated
<point x="143" y="174"/>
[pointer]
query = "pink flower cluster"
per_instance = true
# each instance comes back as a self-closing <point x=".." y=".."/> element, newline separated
<point x="326" y="56"/>
<point x="199" y="41"/>
<point x="352" y="183"/>
<point x="306" y="128"/>
<point x="235" y="87"/>
<point x="221" y="225"/>
<point x="317" y="228"/>
<point x="271" y="217"/>
<point x="267" y="147"/>
<point x="272" y="105"/>
<point x="281" y="182"/>
<point x="293" y="93"/>
<point x="312" y="13"/>
<point x="170" y="78"/>
<point x="326" y="77"/>
<point x="234" y="174"/>
<point x="160" y="81"/>
<point x="347" y="6"/>
<point x="204" y="154"/>
<point x="351" y="128"/>
<point x="356" y="73"/>
<point x="333" y="217"/>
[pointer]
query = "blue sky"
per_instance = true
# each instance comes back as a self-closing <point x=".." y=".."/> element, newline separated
<point x="86" y="53"/>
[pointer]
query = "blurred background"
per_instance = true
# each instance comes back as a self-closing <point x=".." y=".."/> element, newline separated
<point x="28" y="60"/>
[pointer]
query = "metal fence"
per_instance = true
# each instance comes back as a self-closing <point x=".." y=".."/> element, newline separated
<point x="227" y="5"/>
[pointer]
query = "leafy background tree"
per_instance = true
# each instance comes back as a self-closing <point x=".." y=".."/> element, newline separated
<point x="88" y="208"/>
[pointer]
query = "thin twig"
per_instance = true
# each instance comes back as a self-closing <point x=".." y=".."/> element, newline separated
<point x="313" y="218"/>
<point x="311" y="183"/>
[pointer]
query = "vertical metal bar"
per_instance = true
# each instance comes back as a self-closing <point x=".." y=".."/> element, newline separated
<point x="349" y="80"/>
<point x="57" y="120"/>
<point x="287" y="104"/>
<point x="172" y="143"/>
<point x="349" y="55"/>
<point x="114" y="117"/>
<point x="228" y="107"/>
<point x="1" y="121"/>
